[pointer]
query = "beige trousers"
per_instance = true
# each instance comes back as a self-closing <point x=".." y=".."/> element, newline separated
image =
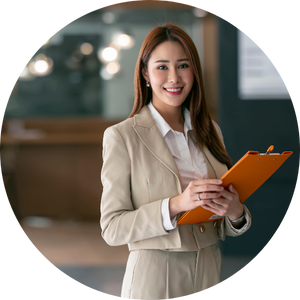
<point x="158" y="274"/>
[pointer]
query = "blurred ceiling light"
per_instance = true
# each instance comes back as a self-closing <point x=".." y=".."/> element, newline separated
<point x="107" y="54"/>
<point x="41" y="65"/>
<point x="108" y="17"/>
<point x="105" y="75"/>
<point x="200" y="13"/>
<point x="113" y="68"/>
<point x="86" y="48"/>
<point x="115" y="45"/>
<point x="125" y="41"/>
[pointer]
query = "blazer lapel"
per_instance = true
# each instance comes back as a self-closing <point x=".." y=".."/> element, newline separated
<point x="147" y="131"/>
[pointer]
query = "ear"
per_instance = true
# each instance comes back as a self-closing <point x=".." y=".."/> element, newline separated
<point x="145" y="74"/>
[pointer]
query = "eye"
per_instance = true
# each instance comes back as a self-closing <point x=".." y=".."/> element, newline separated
<point x="160" y="67"/>
<point x="183" y="66"/>
<point x="186" y="66"/>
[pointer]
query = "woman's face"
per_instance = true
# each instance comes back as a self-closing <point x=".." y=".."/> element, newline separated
<point x="170" y="74"/>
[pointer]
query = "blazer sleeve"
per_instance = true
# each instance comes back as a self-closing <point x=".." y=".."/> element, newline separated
<point x="120" y="222"/>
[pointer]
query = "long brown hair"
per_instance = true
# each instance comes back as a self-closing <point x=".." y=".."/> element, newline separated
<point x="203" y="128"/>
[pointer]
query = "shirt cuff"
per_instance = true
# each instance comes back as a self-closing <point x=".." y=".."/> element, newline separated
<point x="168" y="223"/>
<point x="239" y="230"/>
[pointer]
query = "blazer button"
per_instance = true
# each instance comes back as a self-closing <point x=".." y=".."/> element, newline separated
<point x="215" y="224"/>
<point x="202" y="228"/>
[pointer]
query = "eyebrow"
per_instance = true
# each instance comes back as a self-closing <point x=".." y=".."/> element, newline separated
<point x="167" y="61"/>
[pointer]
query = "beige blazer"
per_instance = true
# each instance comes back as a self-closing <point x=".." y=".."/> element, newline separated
<point x="138" y="172"/>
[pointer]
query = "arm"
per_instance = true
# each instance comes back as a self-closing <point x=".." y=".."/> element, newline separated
<point x="168" y="223"/>
<point x="240" y="224"/>
<point x="174" y="207"/>
<point x="121" y="223"/>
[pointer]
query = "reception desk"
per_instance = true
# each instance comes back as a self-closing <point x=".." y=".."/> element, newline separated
<point x="51" y="167"/>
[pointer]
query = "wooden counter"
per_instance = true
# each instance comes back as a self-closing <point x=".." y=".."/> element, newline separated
<point x="51" y="167"/>
<point x="54" y="131"/>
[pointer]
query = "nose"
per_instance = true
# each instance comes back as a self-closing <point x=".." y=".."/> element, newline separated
<point x="173" y="76"/>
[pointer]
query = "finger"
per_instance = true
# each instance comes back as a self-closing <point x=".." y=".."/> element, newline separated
<point x="233" y="190"/>
<point x="217" y="209"/>
<point x="204" y="202"/>
<point x="227" y="195"/>
<point x="207" y="188"/>
<point x="212" y="203"/>
<point x="220" y="203"/>
<point x="212" y="209"/>
<point x="204" y="196"/>
<point x="207" y="181"/>
<point x="207" y="207"/>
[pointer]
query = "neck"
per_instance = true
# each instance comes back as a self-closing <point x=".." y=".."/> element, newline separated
<point x="172" y="115"/>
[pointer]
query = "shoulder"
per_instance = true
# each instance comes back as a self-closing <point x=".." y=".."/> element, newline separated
<point x="217" y="127"/>
<point x="122" y="128"/>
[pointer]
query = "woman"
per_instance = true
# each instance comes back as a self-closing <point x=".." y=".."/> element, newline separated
<point x="165" y="159"/>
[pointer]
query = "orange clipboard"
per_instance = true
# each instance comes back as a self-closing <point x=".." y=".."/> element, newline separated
<point x="247" y="175"/>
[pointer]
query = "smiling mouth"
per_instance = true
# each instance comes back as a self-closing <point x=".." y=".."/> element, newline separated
<point x="174" y="90"/>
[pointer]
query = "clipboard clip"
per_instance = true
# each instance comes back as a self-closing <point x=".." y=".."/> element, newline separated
<point x="270" y="149"/>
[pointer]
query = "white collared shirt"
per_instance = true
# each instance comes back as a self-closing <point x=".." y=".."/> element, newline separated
<point x="188" y="158"/>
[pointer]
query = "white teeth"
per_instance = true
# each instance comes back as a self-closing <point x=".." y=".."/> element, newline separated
<point x="173" y="90"/>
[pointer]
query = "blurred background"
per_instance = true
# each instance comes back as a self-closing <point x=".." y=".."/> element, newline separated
<point x="81" y="81"/>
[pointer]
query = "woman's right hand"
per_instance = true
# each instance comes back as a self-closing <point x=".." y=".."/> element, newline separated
<point x="207" y="189"/>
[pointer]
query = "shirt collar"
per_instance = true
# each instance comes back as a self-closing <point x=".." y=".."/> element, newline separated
<point x="163" y="126"/>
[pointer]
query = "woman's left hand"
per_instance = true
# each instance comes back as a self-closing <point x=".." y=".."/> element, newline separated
<point x="229" y="205"/>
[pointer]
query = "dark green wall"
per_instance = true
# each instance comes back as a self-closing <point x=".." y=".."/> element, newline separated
<point x="255" y="125"/>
